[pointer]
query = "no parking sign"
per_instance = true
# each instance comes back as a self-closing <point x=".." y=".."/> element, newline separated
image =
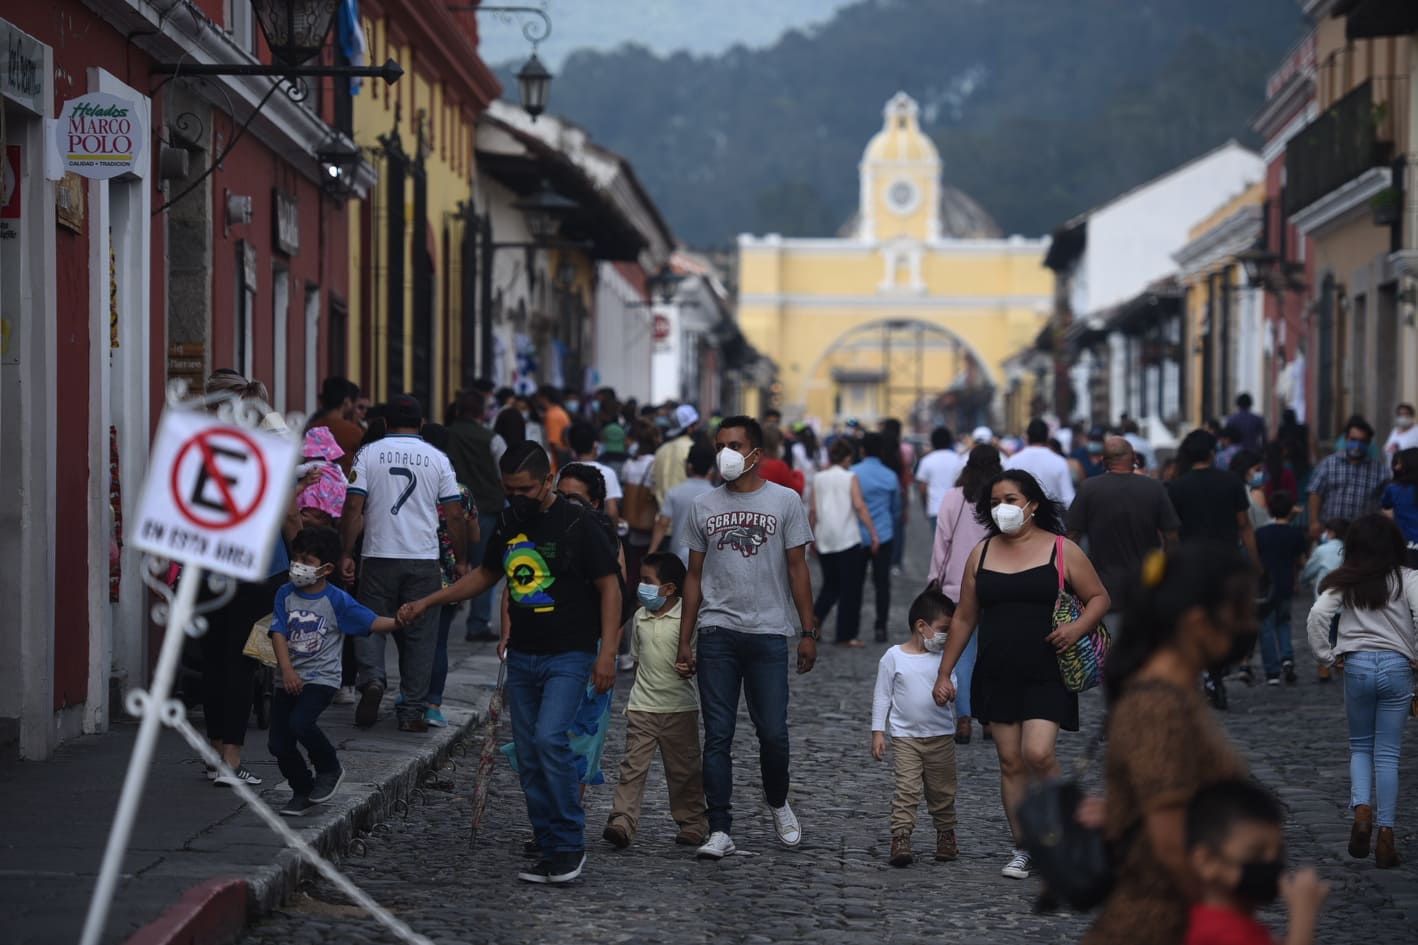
<point x="215" y="494"/>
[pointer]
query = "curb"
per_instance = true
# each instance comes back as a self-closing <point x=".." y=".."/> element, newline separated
<point x="210" y="913"/>
<point x="217" y="911"/>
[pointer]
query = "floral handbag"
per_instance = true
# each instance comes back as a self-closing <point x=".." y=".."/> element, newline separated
<point x="1081" y="665"/>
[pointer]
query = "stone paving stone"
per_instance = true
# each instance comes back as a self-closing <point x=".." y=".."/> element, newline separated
<point x="837" y="887"/>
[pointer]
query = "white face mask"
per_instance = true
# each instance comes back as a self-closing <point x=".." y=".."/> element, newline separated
<point x="935" y="642"/>
<point x="1403" y="421"/>
<point x="303" y="575"/>
<point x="1008" y="518"/>
<point x="730" y="463"/>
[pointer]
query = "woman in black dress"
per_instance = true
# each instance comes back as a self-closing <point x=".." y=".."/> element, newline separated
<point x="1010" y="585"/>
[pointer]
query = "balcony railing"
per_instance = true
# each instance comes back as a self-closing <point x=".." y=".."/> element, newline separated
<point x="1355" y="134"/>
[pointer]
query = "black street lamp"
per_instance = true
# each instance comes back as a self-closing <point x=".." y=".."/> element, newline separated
<point x="545" y="209"/>
<point x="533" y="79"/>
<point x="295" y="29"/>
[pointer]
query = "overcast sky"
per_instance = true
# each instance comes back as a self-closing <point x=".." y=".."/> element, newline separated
<point x="699" y="26"/>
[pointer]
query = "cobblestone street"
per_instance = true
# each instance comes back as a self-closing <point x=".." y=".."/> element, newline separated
<point x="836" y="887"/>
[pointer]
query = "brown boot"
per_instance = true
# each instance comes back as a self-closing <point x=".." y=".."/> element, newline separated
<point x="946" y="849"/>
<point x="901" y="850"/>
<point x="1359" y="833"/>
<point x="1385" y="855"/>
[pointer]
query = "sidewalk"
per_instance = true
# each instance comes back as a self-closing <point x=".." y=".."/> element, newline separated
<point x="55" y="817"/>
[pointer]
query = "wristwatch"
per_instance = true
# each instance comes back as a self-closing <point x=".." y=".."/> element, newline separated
<point x="813" y="634"/>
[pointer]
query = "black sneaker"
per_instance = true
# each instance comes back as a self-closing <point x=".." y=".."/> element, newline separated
<point x="1289" y="669"/>
<point x="564" y="867"/>
<point x="297" y="806"/>
<point x="367" y="712"/>
<point x="532" y="848"/>
<point x="326" y="783"/>
<point x="541" y="873"/>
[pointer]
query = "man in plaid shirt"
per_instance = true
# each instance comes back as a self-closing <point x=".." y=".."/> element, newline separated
<point x="1347" y="485"/>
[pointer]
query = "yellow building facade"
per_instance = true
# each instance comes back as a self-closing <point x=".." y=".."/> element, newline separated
<point x="911" y="312"/>
<point x="410" y="322"/>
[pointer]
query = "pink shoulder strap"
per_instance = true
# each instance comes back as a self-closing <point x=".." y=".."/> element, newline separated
<point x="1059" y="559"/>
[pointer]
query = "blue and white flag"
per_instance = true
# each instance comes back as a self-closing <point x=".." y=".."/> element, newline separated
<point x="352" y="42"/>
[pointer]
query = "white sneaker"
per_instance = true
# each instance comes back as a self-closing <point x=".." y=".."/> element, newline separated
<point x="345" y="695"/>
<point x="785" y="823"/>
<point x="240" y="774"/>
<point x="718" y="846"/>
<point x="1018" y="866"/>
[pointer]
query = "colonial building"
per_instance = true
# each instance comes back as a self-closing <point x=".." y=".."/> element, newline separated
<point x="910" y="312"/>
<point x="409" y="325"/>
<point x="1349" y="190"/>
<point x="1117" y="345"/>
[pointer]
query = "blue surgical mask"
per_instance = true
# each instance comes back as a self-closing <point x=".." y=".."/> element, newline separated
<point x="1258" y="480"/>
<point x="1356" y="449"/>
<point x="650" y="596"/>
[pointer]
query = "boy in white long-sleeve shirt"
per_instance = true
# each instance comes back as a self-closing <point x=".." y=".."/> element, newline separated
<point x="922" y="733"/>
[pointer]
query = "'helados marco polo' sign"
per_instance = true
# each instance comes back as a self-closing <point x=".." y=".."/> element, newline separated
<point x="99" y="135"/>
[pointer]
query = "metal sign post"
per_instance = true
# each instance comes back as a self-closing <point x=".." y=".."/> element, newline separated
<point x="150" y="706"/>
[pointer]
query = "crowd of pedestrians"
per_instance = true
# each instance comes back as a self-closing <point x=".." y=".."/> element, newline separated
<point x="595" y="537"/>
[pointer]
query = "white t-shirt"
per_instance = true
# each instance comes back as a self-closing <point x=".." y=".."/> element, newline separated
<point x="903" y="699"/>
<point x="939" y="469"/>
<point x="613" y="489"/>
<point x="1402" y="440"/>
<point x="1049" y="468"/>
<point x="403" y="480"/>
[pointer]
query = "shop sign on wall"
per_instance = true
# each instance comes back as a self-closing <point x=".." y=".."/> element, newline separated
<point x="99" y="135"/>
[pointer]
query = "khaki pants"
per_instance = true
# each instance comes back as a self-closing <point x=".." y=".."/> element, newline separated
<point x="929" y="762"/>
<point x="676" y="735"/>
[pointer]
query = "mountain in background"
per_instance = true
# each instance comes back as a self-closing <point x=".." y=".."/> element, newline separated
<point x="1041" y="109"/>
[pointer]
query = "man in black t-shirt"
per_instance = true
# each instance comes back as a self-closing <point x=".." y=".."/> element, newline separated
<point x="1124" y="516"/>
<point x="1212" y="505"/>
<point x="561" y="571"/>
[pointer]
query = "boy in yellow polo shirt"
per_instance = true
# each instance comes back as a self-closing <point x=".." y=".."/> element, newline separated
<point x="662" y="713"/>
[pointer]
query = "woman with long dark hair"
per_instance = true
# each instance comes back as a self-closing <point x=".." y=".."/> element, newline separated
<point x="1400" y="500"/>
<point x="1009" y="588"/>
<point x="1376" y="598"/>
<point x="957" y="532"/>
<point x="511" y="427"/>
<point x="1191" y="610"/>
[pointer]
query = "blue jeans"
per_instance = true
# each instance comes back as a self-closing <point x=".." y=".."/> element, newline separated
<point x="439" y="677"/>
<point x="295" y="721"/>
<point x="964" y="673"/>
<point x="480" y="608"/>
<point x="757" y="663"/>
<point x="1378" y="687"/>
<point x="1276" y="646"/>
<point x="544" y="692"/>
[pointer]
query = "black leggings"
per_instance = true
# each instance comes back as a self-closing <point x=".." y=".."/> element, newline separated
<point x="229" y="676"/>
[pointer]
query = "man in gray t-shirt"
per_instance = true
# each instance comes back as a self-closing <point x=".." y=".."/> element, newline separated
<point x="747" y="574"/>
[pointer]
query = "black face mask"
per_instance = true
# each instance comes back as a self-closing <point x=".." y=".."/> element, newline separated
<point x="1260" y="881"/>
<point x="524" y="507"/>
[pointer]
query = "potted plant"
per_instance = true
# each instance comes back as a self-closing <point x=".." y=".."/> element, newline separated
<point x="1384" y="205"/>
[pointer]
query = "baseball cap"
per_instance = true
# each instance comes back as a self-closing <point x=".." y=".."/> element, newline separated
<point x="405" y="412"/>
<point x="685" y="417"/>
<point x="983" y="434"/>
<point x="613" y="438"/>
